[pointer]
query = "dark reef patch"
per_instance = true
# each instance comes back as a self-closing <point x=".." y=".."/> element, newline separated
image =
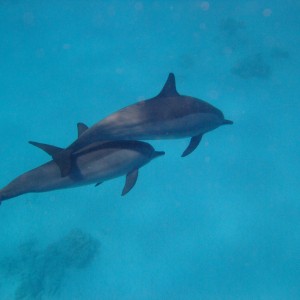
<point x="233" y="34"/>
<point x="277" y="52"/>
<point x="253" y="66"/>
<point x="231" y="26"/>
<point x="41" y="272"/>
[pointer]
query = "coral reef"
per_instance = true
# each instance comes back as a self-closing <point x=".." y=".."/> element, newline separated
<point x="41" y="273"/>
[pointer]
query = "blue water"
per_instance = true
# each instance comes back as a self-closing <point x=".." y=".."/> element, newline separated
<point x="222" y="223"/>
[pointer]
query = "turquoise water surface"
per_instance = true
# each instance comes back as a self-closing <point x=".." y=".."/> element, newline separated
<point x="222" y="223"/>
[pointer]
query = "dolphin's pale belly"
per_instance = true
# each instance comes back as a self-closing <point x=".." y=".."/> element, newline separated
<point x="112" y="166"/>
<point x="187" y="126"/>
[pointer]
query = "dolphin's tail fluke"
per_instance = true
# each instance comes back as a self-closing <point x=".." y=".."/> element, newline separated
<point x="62" y="157"/>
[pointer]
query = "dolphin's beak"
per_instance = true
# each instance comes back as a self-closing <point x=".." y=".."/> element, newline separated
<point x="158" y="154"/>
<point x="227" y="122"/>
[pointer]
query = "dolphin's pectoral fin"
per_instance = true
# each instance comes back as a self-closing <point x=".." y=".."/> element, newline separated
<point x="131" y="179"/>
<point x="98" y="183"/>
<point x="169" y="89"/>
<point x="194" y="142"/>
<point x="81" y="128"/>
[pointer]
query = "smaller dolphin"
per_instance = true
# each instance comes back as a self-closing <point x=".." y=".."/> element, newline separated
<point x="95" y="163"/>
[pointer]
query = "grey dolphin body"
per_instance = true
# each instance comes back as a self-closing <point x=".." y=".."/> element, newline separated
<point x="95" y="163"/>
<point x="169" y="115"/>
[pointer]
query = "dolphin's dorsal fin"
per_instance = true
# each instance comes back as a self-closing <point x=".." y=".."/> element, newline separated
<point x="169" y="89"/>
<point x="64" y="161"/>
<point x="51" y="150"/>
<point x="81" y="128"/>
<point x="131" y="179"/>
<point x="62" y="157"/>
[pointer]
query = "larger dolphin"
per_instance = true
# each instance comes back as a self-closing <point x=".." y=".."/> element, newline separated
<point x="94" y="163"/>
<point x="169" y="115"/>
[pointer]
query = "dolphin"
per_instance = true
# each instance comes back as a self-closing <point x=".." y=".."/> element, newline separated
<point x="94" y="163"/>
<point x="169" y="115"/>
